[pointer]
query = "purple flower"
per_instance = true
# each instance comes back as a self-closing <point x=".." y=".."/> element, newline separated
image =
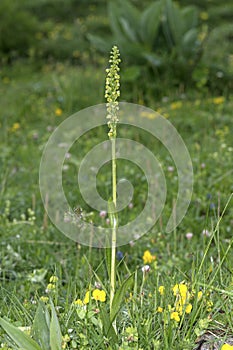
<point x="119" y="255"/>
<point x="103" y="213"/>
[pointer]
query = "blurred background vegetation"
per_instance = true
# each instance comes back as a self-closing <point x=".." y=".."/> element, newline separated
<point x="165" y="45"/>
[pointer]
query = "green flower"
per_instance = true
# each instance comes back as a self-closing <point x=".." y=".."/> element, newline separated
<point x="112" y="91"/>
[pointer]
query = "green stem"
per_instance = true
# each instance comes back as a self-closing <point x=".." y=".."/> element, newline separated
<point x="114" y="226"/>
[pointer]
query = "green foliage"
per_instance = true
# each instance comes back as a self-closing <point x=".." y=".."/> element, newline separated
<point x="55" y="331"/>
<point x="218" y="53"/>
<point x="46" y="331"/>
<point x="23" y="340"/>
<point x="120" y="296"/>
<point x="30" y="252"/>
<point x="40" y="329"/>
<point x="163" y="37"/>
<point x="17" y="27"/>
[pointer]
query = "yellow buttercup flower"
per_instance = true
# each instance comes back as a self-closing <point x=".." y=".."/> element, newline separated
<point x="175" y="316"/>
<point x="87" y="298"/>
<point x="199" y="295"/>
<point x="161" y="290"/>
<point x="148" y="257"/>
<point x="58" y="112"/>
<point x="160" y="309"/>
<point x="180" y="289"/>
<point x="15" y="127"/>
<point x="78" y="302"/>
<point x="218" y="100"/>
<point x="188" y="308"/>
<point x="227" y="347"/>
<point x="99" y="295"/>
<point x="176" y="105"/>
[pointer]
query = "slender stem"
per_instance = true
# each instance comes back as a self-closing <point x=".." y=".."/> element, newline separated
<point x="114" y="191"/>
<point x="114" y="226"/>
<point x="112" y="92"/>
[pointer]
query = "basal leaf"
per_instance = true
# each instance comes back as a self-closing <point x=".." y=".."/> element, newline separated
<point x="40" y="328"/>
<point x="119" y="297"/>
<point x="107" y="325"/>
<point x="55" y="330"/>
<point x="149" y="23"/>
<point x="20" y="338"/>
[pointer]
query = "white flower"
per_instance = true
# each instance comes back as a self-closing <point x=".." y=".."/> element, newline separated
<point x="145" y="268"/>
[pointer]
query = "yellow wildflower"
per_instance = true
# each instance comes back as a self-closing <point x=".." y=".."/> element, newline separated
<point x="199" y="295"/>
<point x="175" y="316"/>
<point x="161" y="290"/>
<point x="87" y="298"/>
<point x="179" y="306"/>
<point x="78" y="302"/>
<point x="53" y="279"/>
<point x="227" y="347"/>
<point x="44" y="299"/>
<point x="65" y="341"/>
<point x="58" y="112"/>
<point x="176" y="105"/>
<point x="218" y="100"/>
<point x="148" y="257"/>
<point x="99" y="295"/>
<point x="188" y="308"/>
<point x="182" y="290"/>
<point x="209" y="305"/>
<point x="51" y="286"/>
<point x="160" y="309"/>
<point x="15" y="127"/>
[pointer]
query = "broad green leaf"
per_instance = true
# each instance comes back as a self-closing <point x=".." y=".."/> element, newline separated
<point x="119" y="297"/>
<point x="190" y="17"/>
<point x="130" y="13"/>
<point x="189" y="42"/>
<point x="152" y="59"/>
<point x="103" y="45"/>
<point x="107" y="325"/>
<point x="149" y="23"/>
<point x="129" y="33"/>
<point x="123" y="19"/>
<point x="174" y="22"/>
<point x="21" y="339"/>
<point x="55" y="331"/>
<point x="114" y="13"/>
<point x="40" y="328"/>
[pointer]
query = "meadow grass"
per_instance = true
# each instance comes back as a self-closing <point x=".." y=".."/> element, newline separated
<point x="32" y="249"/>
